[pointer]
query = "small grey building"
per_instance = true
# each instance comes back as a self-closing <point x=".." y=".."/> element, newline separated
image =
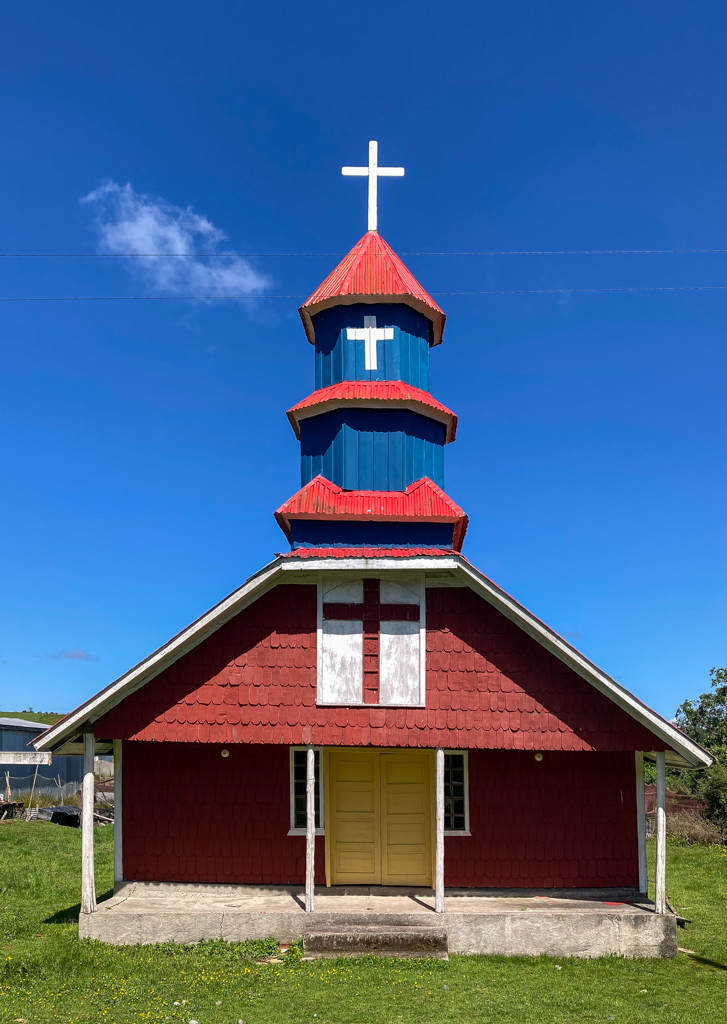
<point x="66" y="772"/>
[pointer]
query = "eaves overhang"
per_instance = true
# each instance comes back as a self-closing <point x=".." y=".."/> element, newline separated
<point x="373" y="395"/>
<point x="422" y="502"/>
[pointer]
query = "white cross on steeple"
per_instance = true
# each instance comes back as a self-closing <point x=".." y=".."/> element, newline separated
<point x="369" y="334"/>
<point x="373" y="172"/>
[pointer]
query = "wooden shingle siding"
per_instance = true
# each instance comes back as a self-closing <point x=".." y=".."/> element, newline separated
<point x="566" y="821"/>
<point x="488" y="685"/>
<point x="191" y="815"/>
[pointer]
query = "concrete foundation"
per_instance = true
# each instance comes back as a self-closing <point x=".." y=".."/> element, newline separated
<point x="584" y="923"/>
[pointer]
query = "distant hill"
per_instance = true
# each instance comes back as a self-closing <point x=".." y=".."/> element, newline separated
<point x="44" y="717"/>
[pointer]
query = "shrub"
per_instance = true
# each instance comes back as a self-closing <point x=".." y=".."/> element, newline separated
<point x="692" y="828"/>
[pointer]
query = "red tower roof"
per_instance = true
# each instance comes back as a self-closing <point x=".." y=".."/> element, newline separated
<point x="372" y="272"/>
<point x="421" y="502"/>
<point x="373" y="394"/>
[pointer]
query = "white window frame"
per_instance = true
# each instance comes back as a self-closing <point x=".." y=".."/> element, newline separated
<point x="293" y="831"/>
<point x="466" y="830"/>
<point x="420" y="579"/>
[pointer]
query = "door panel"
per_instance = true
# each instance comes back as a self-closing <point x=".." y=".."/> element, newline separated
<point x="406" y="825"/>
<point x="406" y="800"/>
<point x="353" y="840"/>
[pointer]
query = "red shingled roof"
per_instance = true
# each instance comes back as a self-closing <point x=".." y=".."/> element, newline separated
<point x="362" y="393"/>
<point x="371" y="272"/>
<point x="421" y="502"/>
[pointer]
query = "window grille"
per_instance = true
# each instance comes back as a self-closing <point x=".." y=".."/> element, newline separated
<point x="456" y="817"/>
<point x="298" y="786"/>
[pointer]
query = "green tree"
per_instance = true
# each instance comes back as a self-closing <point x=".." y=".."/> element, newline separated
<point x="705" y="720"/>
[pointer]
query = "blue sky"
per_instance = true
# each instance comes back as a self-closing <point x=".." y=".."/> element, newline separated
<point x="146" y="444"/>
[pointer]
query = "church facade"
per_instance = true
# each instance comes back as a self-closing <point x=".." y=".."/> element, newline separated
<point x="369" y="708"/>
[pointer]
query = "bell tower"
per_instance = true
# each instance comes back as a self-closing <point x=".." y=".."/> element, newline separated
<point x="371" y="435"/>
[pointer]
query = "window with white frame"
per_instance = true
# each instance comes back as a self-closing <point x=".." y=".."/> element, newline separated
<point x="456" y="793"/>
<point x="298" y="775"/>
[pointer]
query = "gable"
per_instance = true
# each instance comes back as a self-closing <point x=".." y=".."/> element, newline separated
<point x="442" y="569"/>
<point x="488" y="685"/>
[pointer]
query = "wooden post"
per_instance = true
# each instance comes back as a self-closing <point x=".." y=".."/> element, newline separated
<point x="439" y="815"/>
<point x="641" y="822"/>
<point x="118" y="819"/>
<point x="88" y="884"/>
<point x="310" y="827"/>
<point x="660" y="897"/>
<point x="32" y="791"/>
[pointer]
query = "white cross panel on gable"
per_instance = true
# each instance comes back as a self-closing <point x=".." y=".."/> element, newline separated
<point x="370" y="334"/>
<point x="402" y="646"/>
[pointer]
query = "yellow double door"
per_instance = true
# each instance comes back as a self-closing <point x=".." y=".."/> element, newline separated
<point x="379" y="817"/>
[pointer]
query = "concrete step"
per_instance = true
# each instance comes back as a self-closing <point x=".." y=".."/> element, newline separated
<point x="381" y="940"/>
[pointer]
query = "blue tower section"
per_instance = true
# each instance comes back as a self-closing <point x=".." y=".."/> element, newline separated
<point x="403" y="357"/>
<point x="372" y="449"/>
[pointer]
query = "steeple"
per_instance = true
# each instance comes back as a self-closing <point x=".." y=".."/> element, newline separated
<point x="371" y="435"/>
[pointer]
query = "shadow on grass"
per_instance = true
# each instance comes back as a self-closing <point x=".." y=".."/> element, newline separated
<point x="715" y="964"/>
<point x="69" y="915"/>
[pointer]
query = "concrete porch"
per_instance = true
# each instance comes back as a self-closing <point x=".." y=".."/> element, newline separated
<point x="510" y="922"/>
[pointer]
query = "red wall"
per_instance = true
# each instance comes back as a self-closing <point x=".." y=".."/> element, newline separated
<point x="191" y="815"/>
<point x="489" y="685"/>
<point x="566" y="821"/>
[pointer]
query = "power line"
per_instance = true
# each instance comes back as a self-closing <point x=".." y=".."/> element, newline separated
<point x="301" y="255"/>
<point x="233" y="298"/>
<point x="556" y="291"/>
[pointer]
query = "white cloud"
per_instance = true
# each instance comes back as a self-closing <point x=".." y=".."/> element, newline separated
<point x="148" y="228"/>
<point x="76" y="654"/>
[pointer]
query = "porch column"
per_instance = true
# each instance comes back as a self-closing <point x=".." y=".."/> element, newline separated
<point x="118" y="819"/>
<point x="660" y="897"/>
<point x="439" y="854"/>
<point x="641" y="821"/>
<point x="310" y="827"/>
<point x="88" y="884"/>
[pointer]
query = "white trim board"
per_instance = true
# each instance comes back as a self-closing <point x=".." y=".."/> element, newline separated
<point x="684" y="752"/>
<point x="24" y="757"/>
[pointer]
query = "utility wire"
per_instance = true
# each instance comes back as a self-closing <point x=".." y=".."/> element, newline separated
<point x="296" y="255"/>
<point x="229" y="298"/>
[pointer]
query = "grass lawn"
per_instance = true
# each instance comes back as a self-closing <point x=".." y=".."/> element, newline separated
<point x="48" y="975"/>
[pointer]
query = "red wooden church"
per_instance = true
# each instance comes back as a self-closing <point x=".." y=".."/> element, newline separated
<point x="369" y="708"/>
